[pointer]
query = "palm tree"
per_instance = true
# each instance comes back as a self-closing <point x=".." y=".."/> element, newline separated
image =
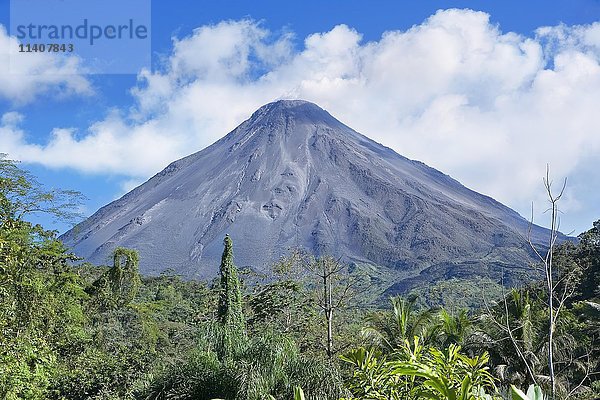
<point x="454" y="328"/>
<point x="389" y="330"/>
<point x="510" y="339"/>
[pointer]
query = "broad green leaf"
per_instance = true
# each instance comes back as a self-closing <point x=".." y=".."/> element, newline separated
<point x="298" y="393"/>
<point x="465" y="389"/>
<point x="517" y="394"/>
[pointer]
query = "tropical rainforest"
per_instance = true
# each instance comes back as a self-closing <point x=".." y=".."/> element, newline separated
<point x="309" y="328"/>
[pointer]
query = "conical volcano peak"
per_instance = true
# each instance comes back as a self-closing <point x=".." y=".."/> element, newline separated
<point x="297" y="111"/>
<point x="292" y="176"/>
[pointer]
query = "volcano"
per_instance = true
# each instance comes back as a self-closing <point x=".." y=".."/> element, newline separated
<point x="293" y="176"/>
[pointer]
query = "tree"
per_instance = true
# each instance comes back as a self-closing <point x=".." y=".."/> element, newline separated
<point x="550" y="274"/>
<point x="454" y="327"/>
<point x="389" y="329"/>
<point x="118" y="286"/>
<point x="231" y="364"/>
<point x="587" y="256"/>
<point x="335" y="289"/>
<point x="230" y="313"/>
<point x="41" y="313"/>
<point x="536" y="337"/>
<point x="22" y="195"/>
<point x="280" y="298"/>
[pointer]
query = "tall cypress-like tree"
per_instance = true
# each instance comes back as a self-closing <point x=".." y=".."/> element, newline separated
<point x="230" y="312"/>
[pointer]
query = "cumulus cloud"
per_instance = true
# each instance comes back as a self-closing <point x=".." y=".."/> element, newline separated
<point x="25" y="76"/>
<point x="109" y="146"/>
<point x="489" y="108"/>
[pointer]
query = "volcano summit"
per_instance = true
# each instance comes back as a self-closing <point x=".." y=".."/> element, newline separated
<point x="294" y="176"/>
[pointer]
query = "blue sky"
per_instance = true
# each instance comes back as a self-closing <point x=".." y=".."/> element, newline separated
<point x="483" y="93"/>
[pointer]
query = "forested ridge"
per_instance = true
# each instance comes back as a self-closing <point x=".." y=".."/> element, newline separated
<point x="70" y="330"/>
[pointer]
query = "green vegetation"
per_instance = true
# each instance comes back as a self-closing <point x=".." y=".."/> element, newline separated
<point x="413" y="372"/>
<point x="70" y="331"/>
<point x="229" y="313"/>
<point x="458" y="293"/>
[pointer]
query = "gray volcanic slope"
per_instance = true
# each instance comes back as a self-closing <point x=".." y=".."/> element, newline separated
<point x="294" y="176"/>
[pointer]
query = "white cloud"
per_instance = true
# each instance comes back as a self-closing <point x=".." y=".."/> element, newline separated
<point x="109" y="147"/>
<point x="487" y="107"/>
<point x="24" y="76"/>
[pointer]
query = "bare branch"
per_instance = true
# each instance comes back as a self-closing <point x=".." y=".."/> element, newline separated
<point x="586" y="376"/>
